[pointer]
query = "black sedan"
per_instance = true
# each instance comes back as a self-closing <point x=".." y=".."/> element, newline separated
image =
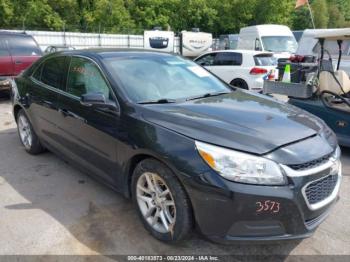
<point x="189" y="150"/>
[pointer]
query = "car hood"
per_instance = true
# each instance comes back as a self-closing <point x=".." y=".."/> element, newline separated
<point x="239" y="120"/>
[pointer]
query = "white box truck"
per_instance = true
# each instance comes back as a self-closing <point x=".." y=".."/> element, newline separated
<point x="278" y="39"/>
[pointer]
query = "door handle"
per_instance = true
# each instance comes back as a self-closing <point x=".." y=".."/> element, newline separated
<point x="67" y="113"/>
<point x="18" y="62"/>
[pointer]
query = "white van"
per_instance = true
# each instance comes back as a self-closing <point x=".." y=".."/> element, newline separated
<point x="228" y="42"/>
<point x="278" y="39"/>
<point x="194" y="43"/>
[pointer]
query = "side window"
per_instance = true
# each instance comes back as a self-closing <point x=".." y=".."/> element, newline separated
<point x="37" y="72"/>
<point x="228" y="58"/>
<point x="53" y="72"/>
<point x="3" y="49"/>
<point x="206" y="60"/>
<point x="257" y="45"/>
<point x="84" y="77"/>
<point x="23" y="46"/>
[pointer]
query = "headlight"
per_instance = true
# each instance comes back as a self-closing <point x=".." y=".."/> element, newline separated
<point x="336" y="167"/>
<point x="241" y="167"/>
<point x="337" y="153"/>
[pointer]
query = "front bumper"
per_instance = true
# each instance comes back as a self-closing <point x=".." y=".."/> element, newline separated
<point x="228" y="211"/>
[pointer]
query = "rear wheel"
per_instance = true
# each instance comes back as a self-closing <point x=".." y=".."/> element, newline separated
<point x="240" y="83"/>
<point x="161" y="201"/>
<point x="27" y="135"/>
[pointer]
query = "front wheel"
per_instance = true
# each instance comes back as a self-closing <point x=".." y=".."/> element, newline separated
<point x="27" y="135"/>
<point x="161" y="201"/>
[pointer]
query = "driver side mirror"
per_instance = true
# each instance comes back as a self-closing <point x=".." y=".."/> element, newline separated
<point x="97" y="100"/>
<point x="91" y="99"/>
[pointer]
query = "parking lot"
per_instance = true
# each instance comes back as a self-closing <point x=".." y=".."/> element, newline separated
<point x="49" y="207"/>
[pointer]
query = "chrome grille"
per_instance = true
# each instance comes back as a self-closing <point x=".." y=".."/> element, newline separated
<point x="321" y="189"/>
<point x="311" y="164"/>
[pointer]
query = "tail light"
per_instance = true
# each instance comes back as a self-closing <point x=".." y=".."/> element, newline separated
<point x="297" y="58"/>
<point x="258" y="71"/>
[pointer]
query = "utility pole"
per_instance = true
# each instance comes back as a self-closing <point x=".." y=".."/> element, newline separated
<point x="311" y="15"/>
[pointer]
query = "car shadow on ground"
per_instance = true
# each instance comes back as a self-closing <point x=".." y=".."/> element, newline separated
<point x="48" y="193"/>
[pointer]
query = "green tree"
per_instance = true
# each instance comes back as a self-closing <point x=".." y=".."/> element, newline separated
<point x="35" y="14"/>
<point x="301" y="19"/>
<point x="6" y="12"/>
<point x="149" y="13"/>
<point x="274" y="12"/>
<point x="232" y="15"/>
<point x="134" y="16"/>
<point x="320" y="11"/>
<point x="67" y="10"/>
<point x="336" y="18"/>
<point x="344" y="7"/>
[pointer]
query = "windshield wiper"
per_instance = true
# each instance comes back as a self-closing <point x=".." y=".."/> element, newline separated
<point x="159" y="101"/>
<point x="207" y="95"/>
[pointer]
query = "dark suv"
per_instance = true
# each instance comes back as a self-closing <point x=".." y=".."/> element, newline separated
<point x="17" y="52"/>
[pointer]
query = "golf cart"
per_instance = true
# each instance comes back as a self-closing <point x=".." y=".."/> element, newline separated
<point x="322" y="91"/>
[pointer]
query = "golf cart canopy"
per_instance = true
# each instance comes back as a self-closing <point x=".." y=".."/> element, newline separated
<point x="337" y="34"/>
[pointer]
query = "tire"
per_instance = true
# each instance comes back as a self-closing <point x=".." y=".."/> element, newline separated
<point x="240" y="83"/>
<point x="27" y="135"/>
<point x="178" y="216"/>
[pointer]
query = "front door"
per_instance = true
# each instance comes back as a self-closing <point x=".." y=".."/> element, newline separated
<point x="88" y="132"/>
<point x="226" y="65"/>
<point x="207" y="61"/>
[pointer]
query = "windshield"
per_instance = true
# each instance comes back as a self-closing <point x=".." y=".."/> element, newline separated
<point x="279" y="44"/>
<point x="151" y="78"/>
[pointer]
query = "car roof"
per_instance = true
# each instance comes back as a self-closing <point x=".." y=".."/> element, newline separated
<point x="8" y="33"/>
<point x="336" y="34"/>
<point x="114" y="52"/>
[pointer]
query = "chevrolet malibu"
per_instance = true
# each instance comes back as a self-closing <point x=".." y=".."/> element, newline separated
<point x="188" y="149"/>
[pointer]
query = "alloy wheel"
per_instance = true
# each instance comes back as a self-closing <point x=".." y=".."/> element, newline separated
<point x="25" y="132"/>
<point x="156" y="202"/>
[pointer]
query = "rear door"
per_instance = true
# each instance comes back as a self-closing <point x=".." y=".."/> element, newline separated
<point x="207" y="61"/>
<point x="6" y="66"/>
<point x="24" y="51"/>
<point x="46" y="84"/>
<point x="87" y="133"/>
<point x="227" y="65"/>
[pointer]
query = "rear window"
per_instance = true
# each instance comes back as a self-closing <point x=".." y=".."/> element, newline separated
<point x="265" y="60"/>
<point x="228" y="58"/>
<point x="3" y="49"/>
<point x="53" y="72"/>
<point x="23" y="46"/>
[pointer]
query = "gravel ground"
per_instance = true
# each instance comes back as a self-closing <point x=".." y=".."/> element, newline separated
<point x="49" y="208"/>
